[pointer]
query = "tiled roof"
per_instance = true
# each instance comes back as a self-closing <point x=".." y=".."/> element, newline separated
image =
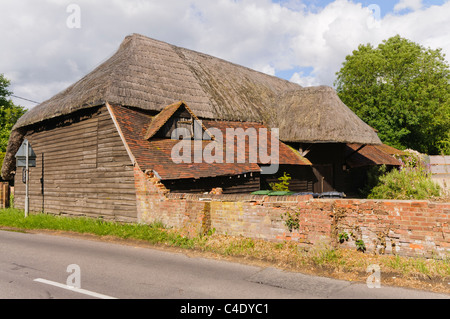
<point x="389" y="149"/>
<point x="371" y="155"/>
<point x="286" y="154"/>
<point x="155" y="154"/>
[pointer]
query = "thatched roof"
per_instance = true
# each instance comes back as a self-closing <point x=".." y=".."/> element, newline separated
<point x="149" y="74"/>
<point x="317" y="115"/>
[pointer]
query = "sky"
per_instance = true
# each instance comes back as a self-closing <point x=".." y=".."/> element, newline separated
<point x="47" y="45"/>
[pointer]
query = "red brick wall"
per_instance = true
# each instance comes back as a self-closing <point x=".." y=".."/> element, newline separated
<point x="153" y="205"/>
<point x="410" y="228"/>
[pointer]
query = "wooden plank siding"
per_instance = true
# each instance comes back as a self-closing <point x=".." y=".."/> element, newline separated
<point x="237" y="184"/>
<point x="82" y="168"/>
<point x="302" y="178"/>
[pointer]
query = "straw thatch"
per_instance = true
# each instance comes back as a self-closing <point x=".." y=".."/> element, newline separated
<point x="317" y="115"/>
<point x="150" y="74"/>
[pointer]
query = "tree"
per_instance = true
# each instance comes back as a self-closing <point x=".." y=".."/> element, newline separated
<point x="9" y="114"/>
<point x="402" y="90"/>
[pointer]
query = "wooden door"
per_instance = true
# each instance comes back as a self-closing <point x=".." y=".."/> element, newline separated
<point x="325" y="178"/>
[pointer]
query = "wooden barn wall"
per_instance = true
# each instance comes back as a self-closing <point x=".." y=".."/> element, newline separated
<point x="302" y="178"/>
<point x="244" y="183"/>
<point x="82" y="168"/>
<point x="328" y="160"/>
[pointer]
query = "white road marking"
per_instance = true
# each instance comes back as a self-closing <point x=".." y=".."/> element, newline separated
<point x="75" y="289"/>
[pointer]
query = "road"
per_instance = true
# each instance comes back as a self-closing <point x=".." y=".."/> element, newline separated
<point x="35" y="266"/>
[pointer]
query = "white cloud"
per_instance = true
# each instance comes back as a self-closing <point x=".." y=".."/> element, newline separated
<point x="268" y="69"/>
<point x="304" y="80"/>
<point x="42" y="56"/>
<point x="408" y="4"/>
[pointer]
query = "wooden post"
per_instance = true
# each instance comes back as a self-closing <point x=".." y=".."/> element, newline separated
<point x="4" y="195"/>
<point x="7" y="193"/>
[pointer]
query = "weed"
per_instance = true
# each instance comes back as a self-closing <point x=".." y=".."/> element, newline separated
<point x="211" y="232"/>
<point x="360" y="245"/>
<point x="325" y="256"/>
<point x="240" y="247"/>
<point x="158" y="224"/>
<point x="292" y="221"/>
<point x="343" y="237"/>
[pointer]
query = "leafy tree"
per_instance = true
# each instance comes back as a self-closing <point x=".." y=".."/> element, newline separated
<point x="9" y="114"/>
<point x="402" y="90"/>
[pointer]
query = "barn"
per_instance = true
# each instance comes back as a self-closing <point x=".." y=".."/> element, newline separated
<point x="91" y="138"/>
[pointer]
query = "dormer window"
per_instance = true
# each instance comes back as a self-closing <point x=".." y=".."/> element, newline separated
<point x="177" y="116"/>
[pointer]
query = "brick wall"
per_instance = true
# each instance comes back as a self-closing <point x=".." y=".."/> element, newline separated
<point x="409" y="228"/>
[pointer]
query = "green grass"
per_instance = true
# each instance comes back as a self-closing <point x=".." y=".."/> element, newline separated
<point x="154" y="233"/>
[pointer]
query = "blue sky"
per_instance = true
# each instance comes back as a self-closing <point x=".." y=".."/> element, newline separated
<point x="304" y="41"/>
<point x="386" y="6"/>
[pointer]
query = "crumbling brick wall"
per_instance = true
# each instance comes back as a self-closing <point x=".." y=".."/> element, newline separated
<point x="409" y="228"/>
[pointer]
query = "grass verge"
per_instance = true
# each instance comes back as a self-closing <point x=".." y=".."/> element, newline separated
<point x="420" y="273"/>
<point x="154" y="234"/>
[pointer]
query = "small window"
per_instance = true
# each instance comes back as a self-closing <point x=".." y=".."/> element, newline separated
<point x="185" y="123"/>
<point x="187" y="127"/>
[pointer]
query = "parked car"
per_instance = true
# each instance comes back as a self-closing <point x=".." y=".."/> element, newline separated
<point x="332" y="195"/>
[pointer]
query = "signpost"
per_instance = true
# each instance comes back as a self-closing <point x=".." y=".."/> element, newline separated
<point x="26" y="158"/>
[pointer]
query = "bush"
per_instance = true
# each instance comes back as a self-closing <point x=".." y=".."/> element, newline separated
<point x="2" y="157"/>
<point x="283" y="185"/>
<point x="373" y="179"/>
<point x="411" y="181"/>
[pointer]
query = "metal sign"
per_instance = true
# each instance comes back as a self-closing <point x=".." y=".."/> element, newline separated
<point x="25" y="157"/>
<point x="21" y="155"/>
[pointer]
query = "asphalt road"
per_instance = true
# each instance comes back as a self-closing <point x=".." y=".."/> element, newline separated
<point x="38" y="266"/>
